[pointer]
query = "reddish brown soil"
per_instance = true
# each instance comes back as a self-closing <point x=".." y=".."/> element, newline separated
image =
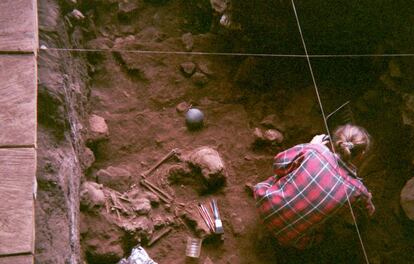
<point x="144" y="125"/>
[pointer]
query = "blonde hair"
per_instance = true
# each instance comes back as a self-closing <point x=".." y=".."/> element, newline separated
<point x="351" y="141"/>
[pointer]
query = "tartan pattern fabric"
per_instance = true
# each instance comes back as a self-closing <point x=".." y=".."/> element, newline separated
<point x="308" y="187"/>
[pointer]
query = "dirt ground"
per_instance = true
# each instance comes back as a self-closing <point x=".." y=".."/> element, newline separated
<point x="138" y="95"/>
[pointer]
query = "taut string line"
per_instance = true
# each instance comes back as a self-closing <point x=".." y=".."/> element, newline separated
<point x="237" y="54"/>
<point x="326" y="126"/>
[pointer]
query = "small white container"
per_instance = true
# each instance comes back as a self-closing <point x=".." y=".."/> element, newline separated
<point x="193" y="248"/>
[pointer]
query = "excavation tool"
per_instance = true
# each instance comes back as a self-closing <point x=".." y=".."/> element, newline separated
<point x="206" y="217"/>
<point x="217" y="221"/>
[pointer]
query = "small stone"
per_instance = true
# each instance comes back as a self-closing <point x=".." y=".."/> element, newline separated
<point x="273" y="121"/>
<point x="88" y="158"/>
<point x="272" y="135"/>
<point x="238" y="226"/>
<point x="77" y="15"/>
<point x="188" y="41"/>
<point x="91" y="195"/>
<point x="71" y="2"/>
<point x="127" y="6"/>
<point x="205" y="69"/>
<point x="182" y="107"/>
<point x="98" y="128"/>
<point x="407" y="199"/>
<point x="187" y="68"/>
<point x="199" y="79"/>
<point x="114" y="177"/>
<point x="219" y="5"/>
<point x="258" y="134"/>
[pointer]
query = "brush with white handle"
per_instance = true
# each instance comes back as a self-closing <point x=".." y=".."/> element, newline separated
<point x="217" y="221"/>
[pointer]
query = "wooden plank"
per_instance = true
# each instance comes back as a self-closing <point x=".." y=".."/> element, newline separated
<point x="17" y="178"/>
<point x="25" y="259"/>
<point x="18" y="28"/>
<point x="18" y="99"/>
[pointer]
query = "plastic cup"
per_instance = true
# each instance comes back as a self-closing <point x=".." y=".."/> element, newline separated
<point x="193" y="248"/>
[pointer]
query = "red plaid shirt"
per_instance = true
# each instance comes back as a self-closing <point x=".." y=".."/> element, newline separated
<point x="310" y="184"/>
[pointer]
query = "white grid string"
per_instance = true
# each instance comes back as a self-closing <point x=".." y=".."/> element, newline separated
<point x="327" y="128"/>
<point x="236" y="54"/>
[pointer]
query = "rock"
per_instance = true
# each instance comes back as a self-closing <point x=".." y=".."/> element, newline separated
<point x="126" y="7"/>
<point x="219" y="5"/>
<point x="187" y="68"/>
<point x="188" y="41"/>
<point x="77" y="15"/>
<point x="258" y="134"/>
<point x="91" y="195"/>
<point x="209" y="162"/>
<point x="199" y="79"/>
<point x="273" y="121"/>
<point x="183" y="107"/>
<point x="142" y="206"/>
<point x="98" y="129"/>
<point x="114" y="177"/>
<point x="237" y="225"/>
<point x="272" y="135"/>
<point x="71" y="2"/>
<point x="205" y="69"/>
<point x="407" y="199"/>
<point x="88" y="158"/>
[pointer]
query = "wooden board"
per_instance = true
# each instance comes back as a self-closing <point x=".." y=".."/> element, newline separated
<point x="17" y="177"/>
<point x="26" y="259"/>
<point x="18" y="25"/>
<point x="18" y="93"/>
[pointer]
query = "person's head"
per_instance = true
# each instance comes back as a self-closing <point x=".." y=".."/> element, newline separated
<point x="351" y="142"/>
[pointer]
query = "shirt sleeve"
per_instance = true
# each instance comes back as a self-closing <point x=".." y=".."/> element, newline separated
<point x="364" y="196"/>
<point x="287" y="161"/>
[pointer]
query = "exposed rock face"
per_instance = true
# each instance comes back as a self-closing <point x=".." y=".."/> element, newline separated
<point x="61" y="152"/>
<point x="209" y="162"/>
<point x="114" y="177"/>
<point x="407" y="199"/>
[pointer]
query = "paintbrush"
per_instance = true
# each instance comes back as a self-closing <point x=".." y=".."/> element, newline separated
<point x="217" y="221"/>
